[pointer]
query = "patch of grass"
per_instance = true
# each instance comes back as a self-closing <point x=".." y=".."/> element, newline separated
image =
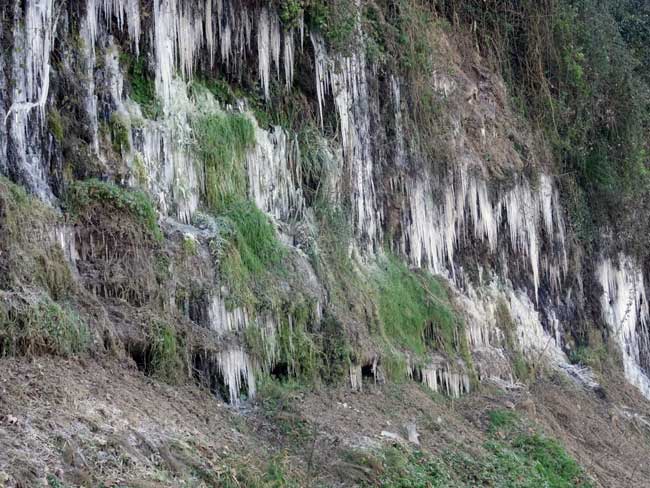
<point x="29" y="256"/>
<point x="551" y="461"/>
<point x="415" y="310"/>
<point x="54" y="482"/>
<point x="190" y="245"/>
<point x="238" y="474"/>
<point x="293" y="348"/>
<point x="394" y="364"/>
<point x="55" y="123"/>
<point x="255" y="237"/>
<point x="277" y="399"/>
<point x="82" y="196"/>
<point x="166" y="352"/>
<point x="520" y="366"/>
<point x="120" y="130"/>
<point x="337" y="353"/>
<point x="221" y="142"/>
<point x="38" y="325"/>
<point x="251" y="253"/>
<point x="502" y="419"/>
<point x="594" y="357"/>
<point x="143" y="88"/>
<point x="530" y="461"/>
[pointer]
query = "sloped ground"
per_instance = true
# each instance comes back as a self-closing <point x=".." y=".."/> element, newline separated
<point x="103" y="423"/>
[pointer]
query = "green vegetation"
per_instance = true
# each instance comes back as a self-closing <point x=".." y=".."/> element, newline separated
<point x="55" y="123"/>
<point x="520" y="367"/>
<point x="222" y="141"/>
<point x="251" y="253"/>
<point x="190" y="245"/>
<point x="578" y="70"/>
<point x="335" y="19"/>
<point x="415" y="310"/>
<point x="501" y="419"/>
<point x="290" y="12"/>
<point x="337" y="353"/>
<point x="593" y="357"/>
<point x="296" y="348"/>
<point x="27" y="259"/>
<point x="37" y="325"/>
<point x="166" y="360"/>
<point x="143" y="89"/>
<point x="120" y="130"/>
<point x="520" y="460"/>
<point x="275" y="475"/>
<point x="84" y="196"/>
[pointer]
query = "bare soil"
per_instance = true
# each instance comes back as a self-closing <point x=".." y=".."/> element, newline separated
<point x="101" y="422"/>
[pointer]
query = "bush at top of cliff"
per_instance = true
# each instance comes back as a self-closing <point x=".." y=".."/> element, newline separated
<point x="83" y="197"/>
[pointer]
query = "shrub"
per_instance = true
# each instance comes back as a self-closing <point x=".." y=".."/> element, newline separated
<point x="82" y="196"/>
<point x="38" y="325"/>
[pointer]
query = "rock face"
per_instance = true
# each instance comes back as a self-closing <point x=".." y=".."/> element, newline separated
<point x="114" y="89"/>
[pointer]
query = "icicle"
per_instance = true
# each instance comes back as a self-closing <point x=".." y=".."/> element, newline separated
<point x="625" y="310"/>
<point x="126" y="12"/>
<point x="356" y="377"/>
<point x="88" y="33"/>
<point x="31" y="81"/>
<point x="237" y="371"/>
<point x="264" y="51"/>
<point x="223" y="320"/>
<point x="433" y="231"/>
<point x="400" y="150"/>
<point x="288" y="59"/>
<point x="440" y="376"/>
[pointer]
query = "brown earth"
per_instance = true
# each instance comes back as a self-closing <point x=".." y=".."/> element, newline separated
<point x="98" y="422"/>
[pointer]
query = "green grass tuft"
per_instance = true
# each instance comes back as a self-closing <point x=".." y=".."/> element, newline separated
<point x="120" y="130"/>
<point x="166" y="357"/>
<point x="40" y="326"/>
<point x="502" y="419"/>
<point x="252" y="252"/>
<point x="143" y="87"/>
<point x="221" y="142"/>
<point x="415" y="309"/>
<point x="83" y="195"/>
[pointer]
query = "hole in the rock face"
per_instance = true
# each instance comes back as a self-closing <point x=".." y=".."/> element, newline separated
<point x="106" y="340"/>
<point x="417" y="375"/>
<point x="280" y="371"/>
<point x="141" y="355"/>
<point x="367" y="371"/>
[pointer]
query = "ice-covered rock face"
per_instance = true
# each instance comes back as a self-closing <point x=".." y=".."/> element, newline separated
<point x="519" y="228"/>
<point x="33" y="32"/>
<point x="461" y="210"/>
<point x="344" y="79"/>
<point x="625" y="310"/>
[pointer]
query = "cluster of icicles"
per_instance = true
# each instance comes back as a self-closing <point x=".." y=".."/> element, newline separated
<point x="466" y="212"/>
<point x="625" y="310"/>
<point x="524" y="220"/>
